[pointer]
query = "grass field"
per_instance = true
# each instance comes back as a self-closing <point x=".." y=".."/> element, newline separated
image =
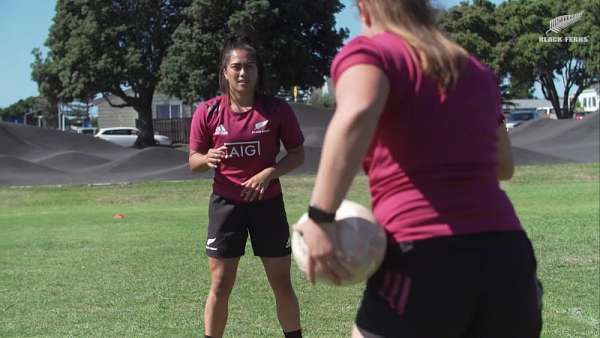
<point x="67" y="268"/>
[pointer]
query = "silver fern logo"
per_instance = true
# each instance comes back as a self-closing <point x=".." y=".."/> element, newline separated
<point x="559" y="24"/>
<point x="562" y="22"/>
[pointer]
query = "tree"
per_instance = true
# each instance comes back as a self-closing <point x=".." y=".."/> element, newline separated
<point x="297" y="40"/>
<point x="473" y="26"/>
<point x="113" y="48"/>
<point x="44" y="72"/>
<point x="525" y="56"/>
<point x="507" y="38"/>
<point x="31" y="104"/>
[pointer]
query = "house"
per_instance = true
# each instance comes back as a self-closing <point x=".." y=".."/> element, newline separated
<point x="163" y="107"/>
<point x="73" y="115"/>
<point x="542" y="108"/>
<point x="589" y="99"/>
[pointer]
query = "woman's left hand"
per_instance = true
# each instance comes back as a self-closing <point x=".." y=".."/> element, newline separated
<point x="255" y="187"/>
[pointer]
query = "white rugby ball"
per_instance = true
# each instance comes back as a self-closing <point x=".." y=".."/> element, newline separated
<point x="359" y="243"/>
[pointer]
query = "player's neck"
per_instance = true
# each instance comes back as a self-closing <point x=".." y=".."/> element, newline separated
<point x="240" y="102"/>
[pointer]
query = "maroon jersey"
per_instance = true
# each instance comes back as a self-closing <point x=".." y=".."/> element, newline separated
<point x="432" y="161"/>
<point x="252" y="139"/>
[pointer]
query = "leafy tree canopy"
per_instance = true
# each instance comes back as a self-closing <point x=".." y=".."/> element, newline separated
<point x="32" y="104"/>
<point x="512" y="39"/>
<point x="473" y="27"/>
<point x="118" y="48"/>
<point x="108" y="47"/>
<point x="296" y="41"/>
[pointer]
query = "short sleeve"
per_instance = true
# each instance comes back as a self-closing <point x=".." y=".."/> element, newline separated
<point x="291" y="134"/>
<point x="361" y="50"/>
<point x="200" y="139"/>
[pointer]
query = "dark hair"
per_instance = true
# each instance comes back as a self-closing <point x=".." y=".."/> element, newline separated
<point x="243" y="42"/>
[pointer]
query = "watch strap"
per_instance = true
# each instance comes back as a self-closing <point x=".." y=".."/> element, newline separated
<point x="319" y="215"/>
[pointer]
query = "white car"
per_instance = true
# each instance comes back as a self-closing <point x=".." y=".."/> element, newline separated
<point x="126" y="136"/>
<point x="511" y="124"/>
<point x="517" y="118"/>
<point x="86" y="130"/>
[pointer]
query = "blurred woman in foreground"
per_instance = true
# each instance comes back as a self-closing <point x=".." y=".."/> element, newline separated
<point x="425" y="119"/>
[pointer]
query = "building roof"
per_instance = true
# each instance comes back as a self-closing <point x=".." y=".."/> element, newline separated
<point x="593" y="89"/>
<point x="527" y="103"/>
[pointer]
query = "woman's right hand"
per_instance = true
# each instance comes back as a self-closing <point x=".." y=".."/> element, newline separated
<point x="321" y="252"/>
<point x="214" y="156"/>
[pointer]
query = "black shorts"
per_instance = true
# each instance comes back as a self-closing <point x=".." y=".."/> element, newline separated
<point x="481" y="285"/>
<point x="230" y="222"/>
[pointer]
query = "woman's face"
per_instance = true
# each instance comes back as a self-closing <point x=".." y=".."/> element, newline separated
<point x="241" y="72"/>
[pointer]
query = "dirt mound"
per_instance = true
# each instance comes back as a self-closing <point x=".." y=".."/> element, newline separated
<point x="148" y="160"/>
<point x="523" y="156"/>
<point x="31" y="142"/>
<point x="570" y="140"/>
<point x="71" y="161"/>
<point x="16" y="171"/>
<point x="34" y="156"/>
<point x="309" y="116"/>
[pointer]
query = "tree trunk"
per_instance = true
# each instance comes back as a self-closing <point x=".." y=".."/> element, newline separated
<point x="573" y="101"/>
<point x="145" y="125"/>
<point x="567" y="106"/>
<point x="52" y="115"/>
<point x="550" y="93"/>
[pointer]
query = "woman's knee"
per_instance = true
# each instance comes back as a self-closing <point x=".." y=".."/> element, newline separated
<point x="282" y="286"/>
<point x="221" y="286"/>
<point x="222" y="277"/>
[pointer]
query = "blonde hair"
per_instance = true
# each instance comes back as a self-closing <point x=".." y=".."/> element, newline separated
<point x="414" y="22"/>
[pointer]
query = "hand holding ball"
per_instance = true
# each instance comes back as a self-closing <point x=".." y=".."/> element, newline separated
<point x="359" y="243"/>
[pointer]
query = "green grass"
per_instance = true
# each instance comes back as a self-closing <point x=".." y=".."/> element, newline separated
<point x="67" y="268"/>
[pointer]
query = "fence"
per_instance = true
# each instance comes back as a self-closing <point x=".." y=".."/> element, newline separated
<point x="178" y="130"/>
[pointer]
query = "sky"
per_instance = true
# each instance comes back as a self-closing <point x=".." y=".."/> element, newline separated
<point x="24" y="26"/>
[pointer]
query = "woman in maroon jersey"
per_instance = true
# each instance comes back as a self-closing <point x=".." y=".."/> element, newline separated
<point x="425" y="119"/>
<point x="239" y="135"/>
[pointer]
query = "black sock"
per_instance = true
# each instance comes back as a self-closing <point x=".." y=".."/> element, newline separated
<point x="293" y="334"/>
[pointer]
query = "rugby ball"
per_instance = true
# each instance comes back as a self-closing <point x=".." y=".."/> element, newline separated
<point x="359" y="243"/>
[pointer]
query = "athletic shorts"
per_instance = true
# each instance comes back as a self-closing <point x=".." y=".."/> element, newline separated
<point x="481" y="285"/>
<point x="230" y="222"/>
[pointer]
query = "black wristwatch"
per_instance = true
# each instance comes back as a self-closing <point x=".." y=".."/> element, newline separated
<point x="319" y="215"/>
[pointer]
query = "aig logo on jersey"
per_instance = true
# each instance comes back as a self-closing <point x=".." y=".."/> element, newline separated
<point x="242" y="149"/>
<point x="259" y="127"/>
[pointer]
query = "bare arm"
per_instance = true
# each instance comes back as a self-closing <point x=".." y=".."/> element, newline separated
<point x="200" y="162"/>
<point x="292" y="160"/>
<point x="359" y="106"/>
<point x="505" y="167"/>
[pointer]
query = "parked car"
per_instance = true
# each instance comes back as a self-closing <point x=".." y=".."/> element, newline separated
<point x="86" y="130"/>
<point x="126" y="136"/>
<point x="579" y="115"/>
<point x="516" y="118"/>
<point x="524" y="115"/>
<point x="510" y="123"/>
